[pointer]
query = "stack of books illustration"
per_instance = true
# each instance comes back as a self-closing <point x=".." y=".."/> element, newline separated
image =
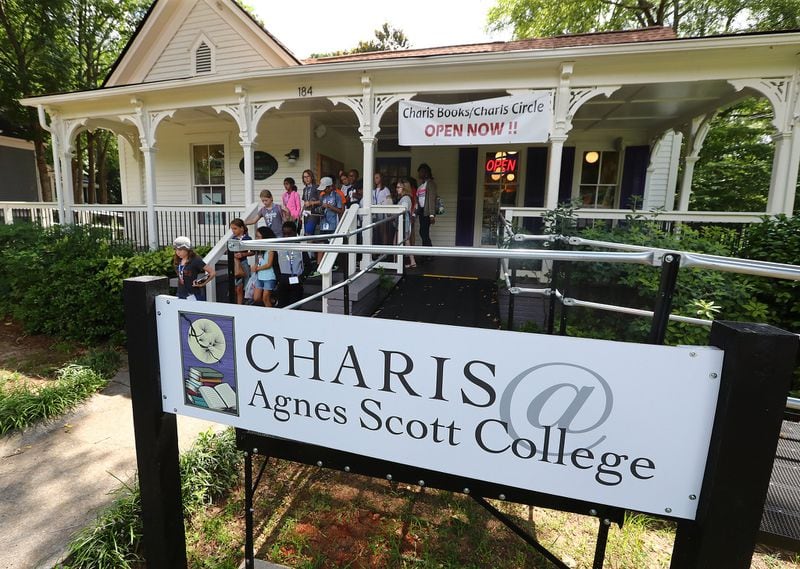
<point x="205" y="388"/>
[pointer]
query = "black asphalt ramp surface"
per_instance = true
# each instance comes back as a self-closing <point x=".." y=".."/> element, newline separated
<point x="443" y="300"/>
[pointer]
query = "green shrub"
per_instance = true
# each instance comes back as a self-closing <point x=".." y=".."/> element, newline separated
<point x="66" y="281"/>
<point x="776" y="240"/>
<point x="698" y="293"/>
<point x="208" y="470"/>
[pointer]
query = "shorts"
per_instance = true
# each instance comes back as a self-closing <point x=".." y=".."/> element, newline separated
<point x="310" y="224"/>
<point x="271" y="284"/>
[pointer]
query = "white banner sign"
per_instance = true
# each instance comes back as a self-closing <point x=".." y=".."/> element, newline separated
<point x="626" y="425"/>
<point x="505" y="120"/>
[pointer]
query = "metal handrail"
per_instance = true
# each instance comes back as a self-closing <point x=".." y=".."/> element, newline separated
<point x="703" y="260"/>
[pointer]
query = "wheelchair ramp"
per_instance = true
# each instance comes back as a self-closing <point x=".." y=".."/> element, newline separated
<point x="780" y="523"/>
<point x="458" y="301"/>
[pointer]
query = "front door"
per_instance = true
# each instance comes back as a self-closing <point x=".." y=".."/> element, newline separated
<point x="499" y="184"/>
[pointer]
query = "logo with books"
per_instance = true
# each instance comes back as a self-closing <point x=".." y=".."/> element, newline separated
<point x="208" y="362"/>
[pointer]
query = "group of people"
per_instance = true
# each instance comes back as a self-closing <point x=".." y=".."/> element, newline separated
<point x="314" y="211"/>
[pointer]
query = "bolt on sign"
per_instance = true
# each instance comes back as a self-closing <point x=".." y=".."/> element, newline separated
<point x="613" y="423"/>
<point x="504" y="120"/>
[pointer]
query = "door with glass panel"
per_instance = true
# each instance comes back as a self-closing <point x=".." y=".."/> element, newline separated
<point x="500" y="184"/>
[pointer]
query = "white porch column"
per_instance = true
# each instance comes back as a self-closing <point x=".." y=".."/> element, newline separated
<point x="63" y="133"/>
<point x="686" y="182"/>
<point x="780" y="172"/>
<point x="247" y="115"/>
<point x="566" y="103"/>
<point x="147" y="122"/>
<point x="791" y="175"/>
<point x="784" y="95"/>
<point x="55" y="147"/>
<point x="369" y="109"/>
<point x="694" y="135"/>
<point x="554" y="170"/>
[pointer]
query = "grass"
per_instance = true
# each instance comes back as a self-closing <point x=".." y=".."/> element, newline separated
<point x="310" y="518"/>
<point x="22" y="404"/>
<point x="208" y="470"/>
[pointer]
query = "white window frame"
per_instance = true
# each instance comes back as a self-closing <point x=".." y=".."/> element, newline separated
<point x="203" y="218"/>
<point x="580" y="151"/>
<point x="202" y="38"/>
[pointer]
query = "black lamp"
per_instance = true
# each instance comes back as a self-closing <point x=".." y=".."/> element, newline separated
<point x="293" y="155"/>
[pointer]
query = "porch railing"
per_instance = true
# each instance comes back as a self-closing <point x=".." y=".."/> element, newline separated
<point x="203" y="224"/>
<point x="738" y="217"/>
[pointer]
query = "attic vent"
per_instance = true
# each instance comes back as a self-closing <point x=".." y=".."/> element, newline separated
<point x="202" y="56"/>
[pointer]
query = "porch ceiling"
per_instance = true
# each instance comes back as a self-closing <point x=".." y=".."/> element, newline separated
<point x="650" y="108"/>
<point x="654" y="107"/>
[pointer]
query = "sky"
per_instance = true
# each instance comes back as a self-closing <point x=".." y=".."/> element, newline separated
<point x="321" y="26"/>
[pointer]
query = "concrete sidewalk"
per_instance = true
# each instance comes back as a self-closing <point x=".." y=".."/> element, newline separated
<point x="55" y="478"/>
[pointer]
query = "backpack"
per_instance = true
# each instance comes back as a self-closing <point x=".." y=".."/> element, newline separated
<point x="439" y="206"/>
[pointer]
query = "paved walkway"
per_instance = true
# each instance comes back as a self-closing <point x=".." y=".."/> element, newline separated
<point x="55" y="478"/>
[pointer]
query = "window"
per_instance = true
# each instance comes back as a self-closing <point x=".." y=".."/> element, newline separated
<point x="599" y="173"/>
<point x="209" y="179"/>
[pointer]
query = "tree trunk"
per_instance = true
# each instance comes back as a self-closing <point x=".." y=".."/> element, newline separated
<point x="91" y="195"/>
<point x="102" y="168"/>
<point x="41" y="162"/>
<point x="77" y="172"/>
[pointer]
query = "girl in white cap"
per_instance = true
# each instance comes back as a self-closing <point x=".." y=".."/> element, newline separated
<point x="193" y="273"/>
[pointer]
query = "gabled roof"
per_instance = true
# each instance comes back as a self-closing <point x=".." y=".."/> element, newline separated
<point x="656" y="33"/>
<point x="168" y="15"/>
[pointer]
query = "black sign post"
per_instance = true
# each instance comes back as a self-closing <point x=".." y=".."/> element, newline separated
<point x="156" y="432"/>
<point x="756" y="375"/>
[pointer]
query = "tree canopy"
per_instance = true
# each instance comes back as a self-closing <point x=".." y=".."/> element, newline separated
<point x="49" y="46"/>
<point x="386" y="38"/>
<point x="542" y="18"/>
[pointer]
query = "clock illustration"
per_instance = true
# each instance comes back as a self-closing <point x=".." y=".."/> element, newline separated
<point x="206" y="340"/>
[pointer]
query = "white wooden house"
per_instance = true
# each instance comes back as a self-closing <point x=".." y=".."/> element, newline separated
<point x="201" y="87"/>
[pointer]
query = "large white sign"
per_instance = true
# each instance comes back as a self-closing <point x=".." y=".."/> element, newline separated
<point x="621" y="424"/>
<point x="504" y="120"/>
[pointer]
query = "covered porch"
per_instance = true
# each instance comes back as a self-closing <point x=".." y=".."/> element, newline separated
<point x="629" y="121"/>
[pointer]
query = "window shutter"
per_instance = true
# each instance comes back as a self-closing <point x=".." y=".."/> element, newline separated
<point x="203" y="59"/>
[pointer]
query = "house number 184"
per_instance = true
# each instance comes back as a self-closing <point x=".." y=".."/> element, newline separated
<point x="305" y="91"/>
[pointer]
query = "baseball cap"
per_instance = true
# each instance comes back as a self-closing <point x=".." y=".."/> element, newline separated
<point x="182" y="243"/>
<point x="324" y="183"/>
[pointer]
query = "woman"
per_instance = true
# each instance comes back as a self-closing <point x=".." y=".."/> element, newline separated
<point x="291" y="200"/>
<point x="426" y="203"/>
<point x="381" y="195"/>
<point x="311" y="203"/>
<point x="193" y="273"/>
<point x="242" y="271"/>
<point x="406" y="199"/>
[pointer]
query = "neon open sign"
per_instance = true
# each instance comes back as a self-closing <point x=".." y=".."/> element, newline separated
<point x="501" y="165"/>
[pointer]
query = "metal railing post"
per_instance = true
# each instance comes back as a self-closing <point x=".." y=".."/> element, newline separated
<point x="669" y="278"/>
<point x="346" y="273"/>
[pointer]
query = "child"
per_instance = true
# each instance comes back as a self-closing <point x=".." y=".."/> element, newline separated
<point x="290" y="288"/>
<point x="271" y="212"/>
<point x="190" y="268"/>
<point x="239" y="230"/>
<point x="267" y="281"/>
<point x="332" y="207"/>
<point x="291" y="201"/>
